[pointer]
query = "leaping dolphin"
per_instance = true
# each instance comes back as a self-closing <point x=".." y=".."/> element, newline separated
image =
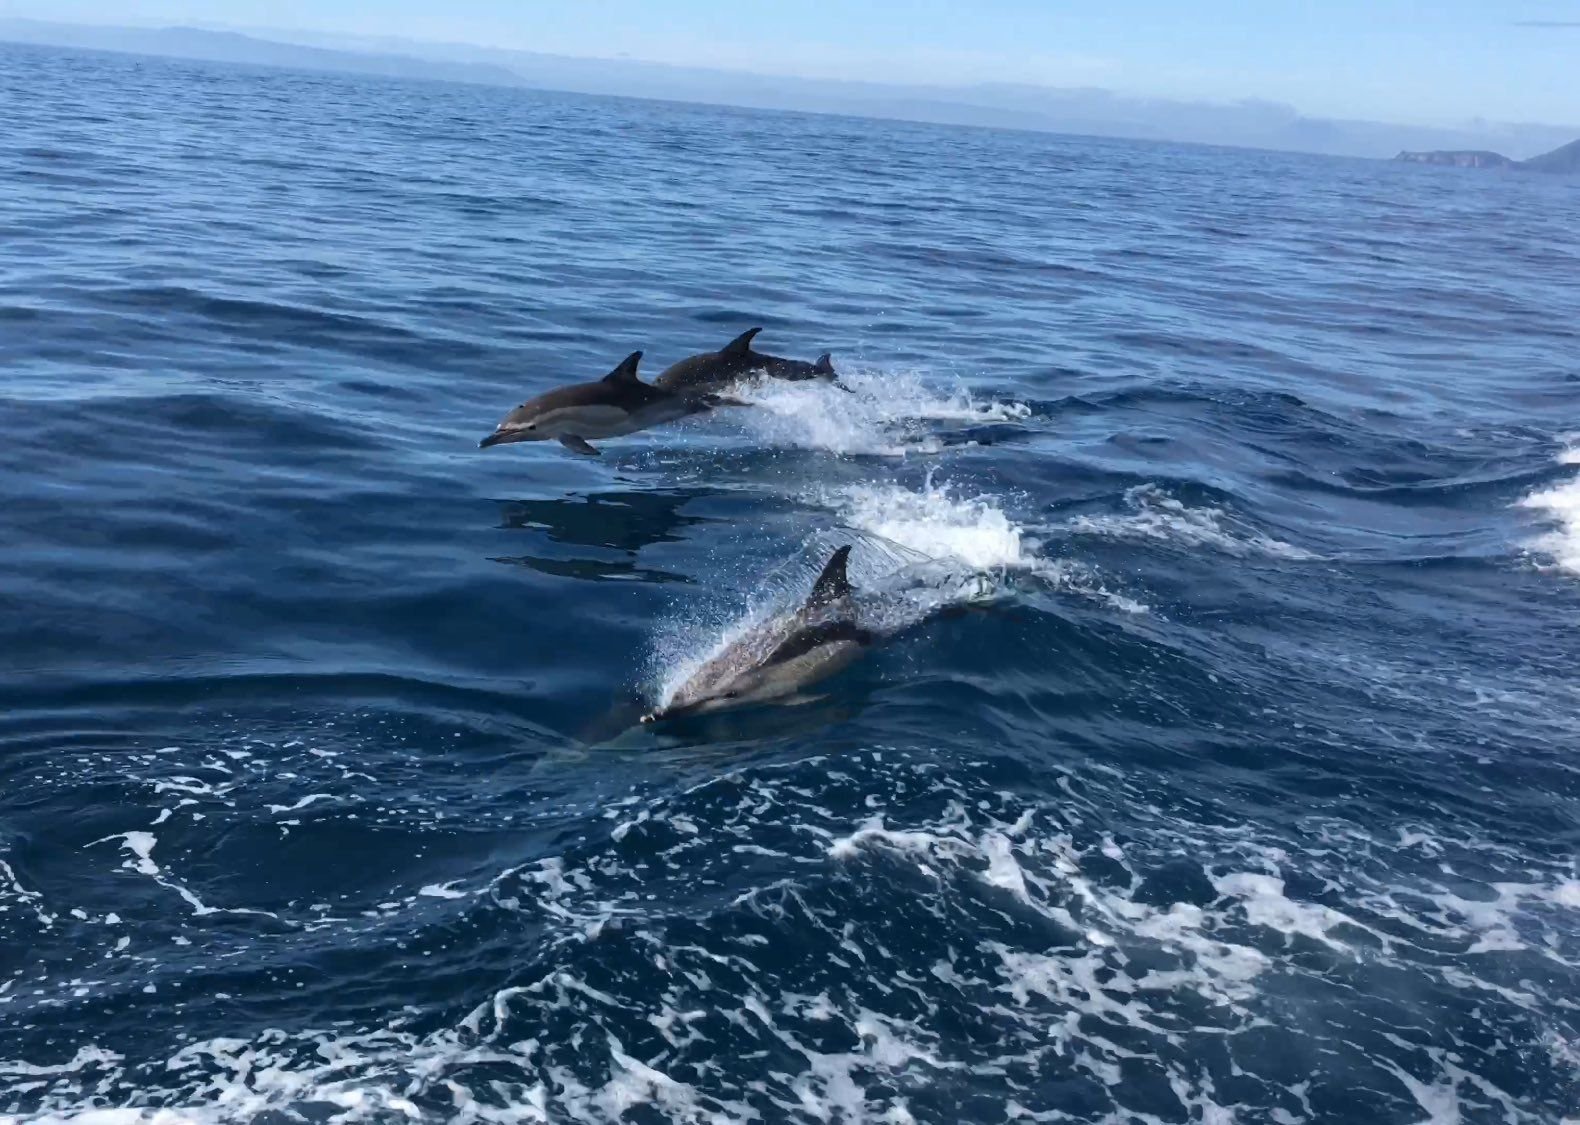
<point x="613" y="406"/>
<point x="711" y="372"/>
<point x="780" y="657"/>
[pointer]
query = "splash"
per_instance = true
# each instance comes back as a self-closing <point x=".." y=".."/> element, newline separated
<point x="919" y="552"/>
<point x="887" y="414"/>
<point x="1561" y="505"/>
<point x="681" y="649"/>
<point x="937" y="523"/>
<point x="941" y="525"/>
<point x="1154" y="514"/>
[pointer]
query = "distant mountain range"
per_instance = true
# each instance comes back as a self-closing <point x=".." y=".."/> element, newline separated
<point x="1564" y="159"/>
<point x="1249" y="124"/>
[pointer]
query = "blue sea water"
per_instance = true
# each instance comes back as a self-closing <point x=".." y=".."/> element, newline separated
<point x="1217" y="764"/>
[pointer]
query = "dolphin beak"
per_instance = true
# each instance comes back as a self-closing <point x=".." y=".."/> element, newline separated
<point x="495" y="438"/>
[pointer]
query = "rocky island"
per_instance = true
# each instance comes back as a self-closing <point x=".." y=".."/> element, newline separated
<point x="1459" y="159"/>
<point x="1564" y="159"/>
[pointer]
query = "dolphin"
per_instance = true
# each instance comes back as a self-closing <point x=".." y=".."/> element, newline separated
<point x="613" y="406"/>
<point x="711" y="372"/>
<point x="780" y="657"/>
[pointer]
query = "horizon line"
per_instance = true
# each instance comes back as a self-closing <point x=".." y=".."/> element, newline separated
<point x="369" y="49"/>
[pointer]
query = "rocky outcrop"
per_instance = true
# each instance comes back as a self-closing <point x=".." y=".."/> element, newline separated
<point x="1565" y="159"/>
<point x="1459" y="159"/>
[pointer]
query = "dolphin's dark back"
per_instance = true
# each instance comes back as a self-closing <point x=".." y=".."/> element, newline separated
<point x="714" y="371"/>
<point x="621" y="387"/>
<point x="803" y="641"/>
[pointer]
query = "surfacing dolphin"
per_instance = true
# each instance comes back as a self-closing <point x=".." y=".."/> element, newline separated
<point x="711" y="372"/>
<point x="616" y="405"/>
<point x="780" y="657"/>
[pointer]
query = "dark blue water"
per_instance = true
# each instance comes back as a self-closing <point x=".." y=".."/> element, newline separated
<point x="1219" y="765"/>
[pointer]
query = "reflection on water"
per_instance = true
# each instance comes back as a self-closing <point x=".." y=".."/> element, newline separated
<point x="619" y="521"/>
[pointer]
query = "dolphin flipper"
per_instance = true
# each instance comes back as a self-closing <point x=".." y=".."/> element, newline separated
<point x="823" y="368"/>
<point x="578" y="445"/>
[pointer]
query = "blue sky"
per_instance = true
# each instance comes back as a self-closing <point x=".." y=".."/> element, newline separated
<point x="1444" y="62"/>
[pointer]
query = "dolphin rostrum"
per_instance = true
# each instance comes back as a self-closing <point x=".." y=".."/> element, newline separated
<point x="777" y="659"/>
<point x="711" y="372"/>
<point x="613" y="406"/>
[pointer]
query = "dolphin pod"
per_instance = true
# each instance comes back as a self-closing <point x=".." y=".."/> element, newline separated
<point x="621" y="404"/>
<point x="777" y="659"/>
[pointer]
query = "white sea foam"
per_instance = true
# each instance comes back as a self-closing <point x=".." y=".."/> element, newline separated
<point x="883" y="413"/>
<point x="1154" y="514"/>
<point x="949" y="525"/>
<point x="11" y="888"/>
<point x="141" y="845"/>
<point x="1076" y="968"/>
<point x="937" y="522"/>
<point x="1561" y="507"/>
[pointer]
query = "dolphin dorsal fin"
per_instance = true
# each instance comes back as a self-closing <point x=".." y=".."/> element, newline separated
<point x="825" y="365"/>
<point x="833" y="583"/>
<point x="742" y="344"/>
<point x="626" y="372"/>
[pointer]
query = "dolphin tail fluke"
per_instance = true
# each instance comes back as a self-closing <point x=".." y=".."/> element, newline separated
<point x="833" y="583"/>
<point x="742" y="344"/>
<point x="823" y="368"/>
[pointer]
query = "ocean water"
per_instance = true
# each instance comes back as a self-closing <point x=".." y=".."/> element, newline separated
<point x="1218" y="762"/>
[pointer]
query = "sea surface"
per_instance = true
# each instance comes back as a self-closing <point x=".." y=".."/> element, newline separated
<point x="1218" y="762"/>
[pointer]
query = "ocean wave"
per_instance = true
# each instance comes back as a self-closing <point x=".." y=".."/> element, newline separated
<point x="1561" y="507"/>
<point x="1156" y="515"/>
<point x="1139" y="954"/>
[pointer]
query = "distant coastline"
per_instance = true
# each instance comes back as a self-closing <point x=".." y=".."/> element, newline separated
<point x="1084" y="111"/>
<point x="1562" y="160"/>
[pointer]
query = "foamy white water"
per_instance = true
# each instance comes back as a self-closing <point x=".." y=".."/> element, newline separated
<point x="1081" y="943"/>
<point x="967" y="531"/>
<point x="883" y="413"/>
<point x="1154" y="514"/>
<point x="940" y="522"/>
<point x="1561" y="506"/>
